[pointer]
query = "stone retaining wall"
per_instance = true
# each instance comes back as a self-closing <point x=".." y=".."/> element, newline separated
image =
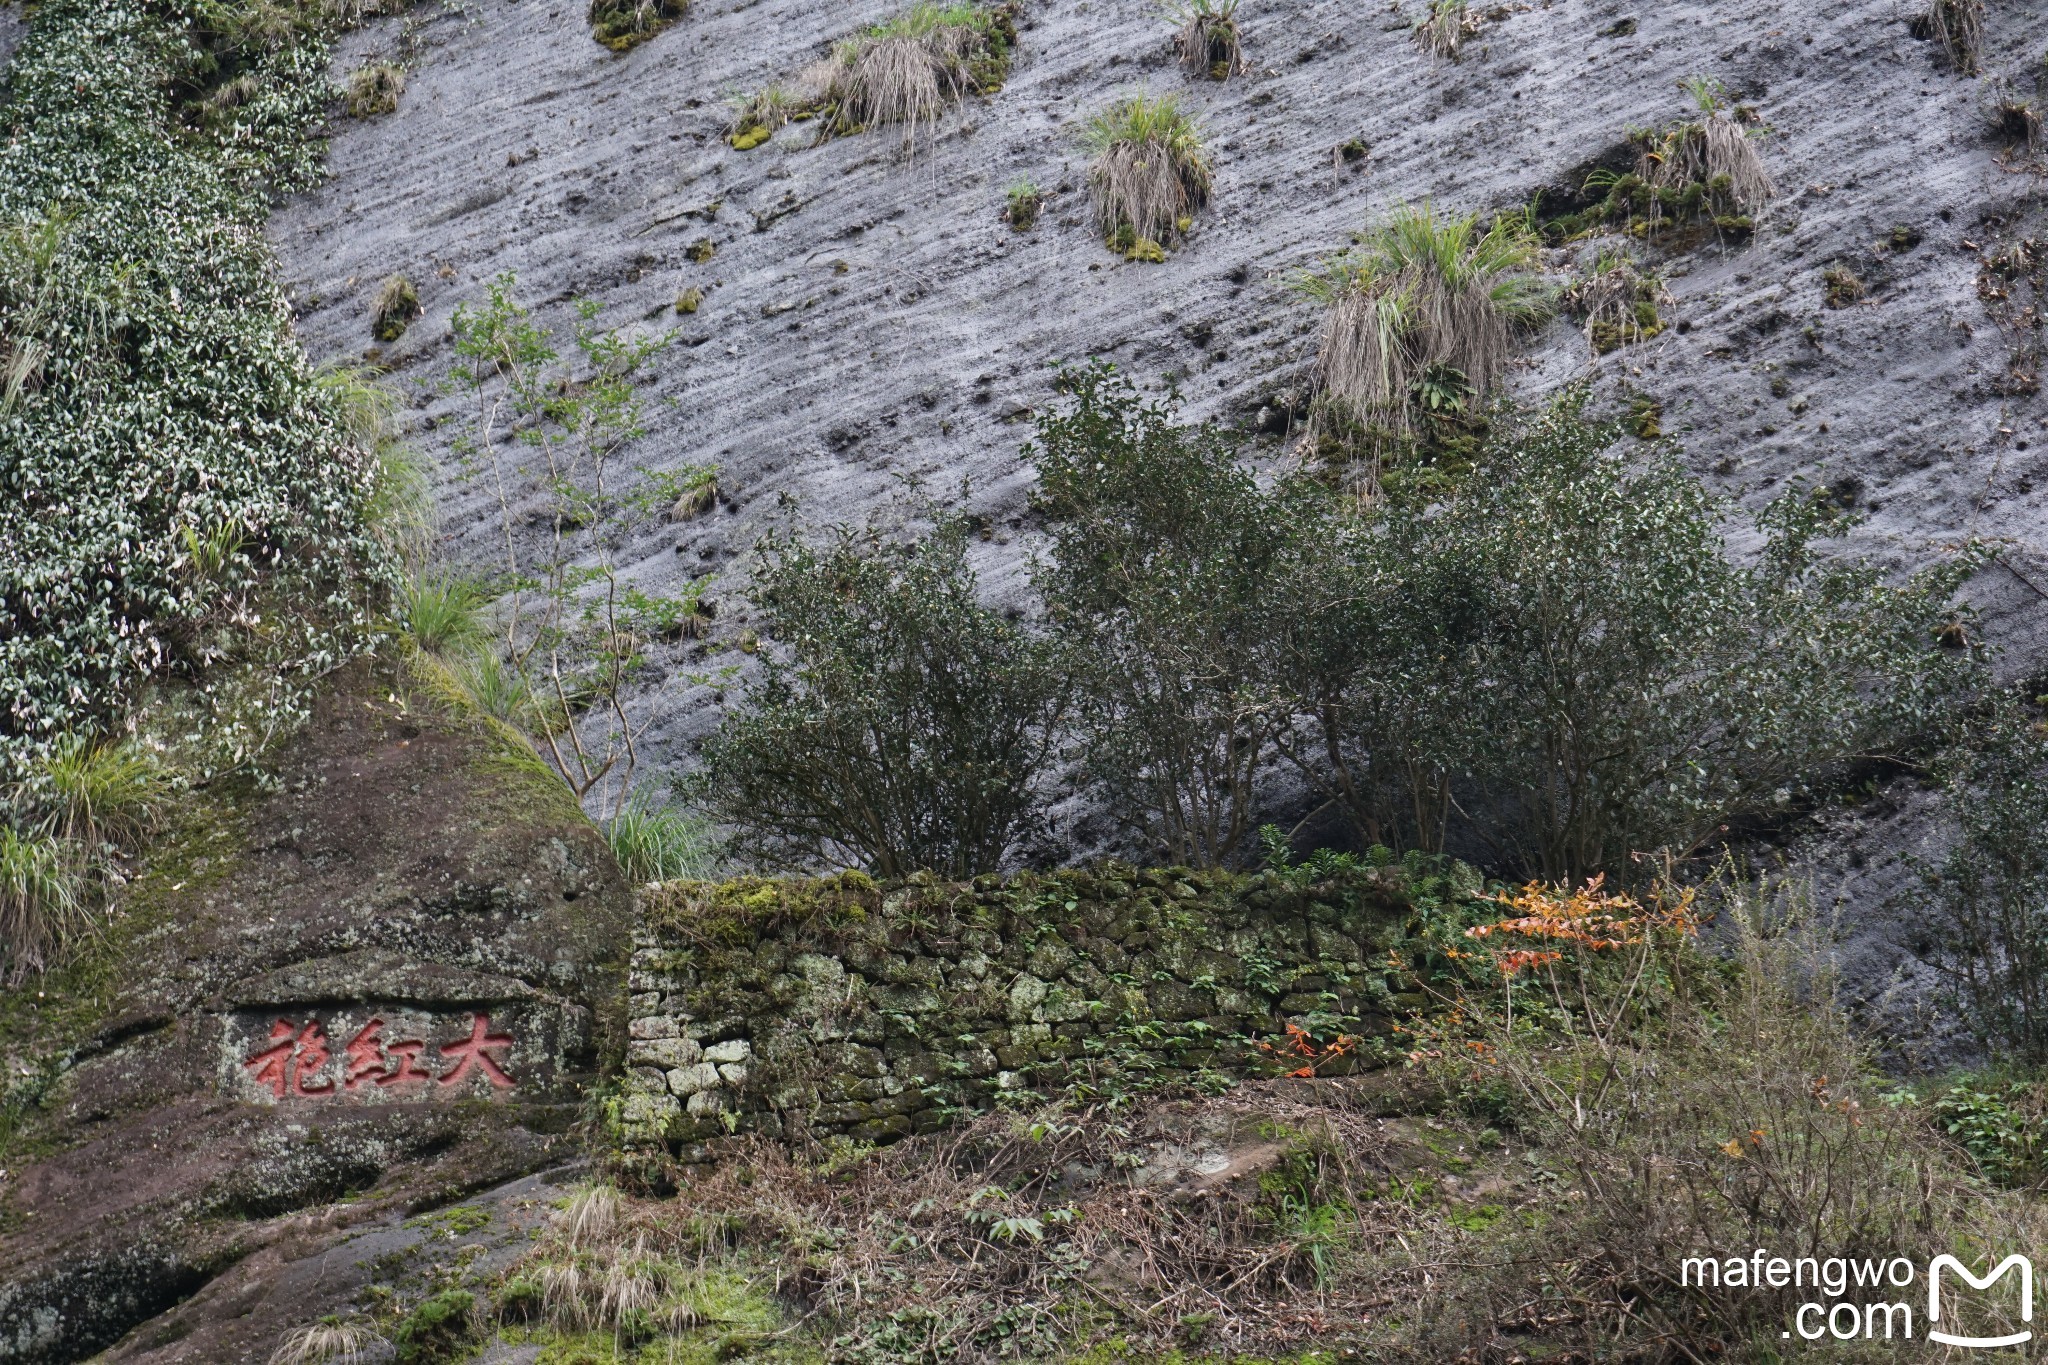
<point x="840" y="1009"/>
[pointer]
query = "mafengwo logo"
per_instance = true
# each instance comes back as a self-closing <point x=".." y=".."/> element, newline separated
<point x="1861" y="1299"/>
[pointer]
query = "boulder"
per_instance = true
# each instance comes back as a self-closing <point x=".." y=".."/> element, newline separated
<point x="373" y="977"/>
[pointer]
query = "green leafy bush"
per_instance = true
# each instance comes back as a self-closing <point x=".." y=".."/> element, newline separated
<point x="177" y="495"/>
<point x="1626" y="684"/>
<point x="1164" y="552"/>
<point x="1560" y="662"/>
<point x="900" y="725"/>
<point x="1990" y="892"/>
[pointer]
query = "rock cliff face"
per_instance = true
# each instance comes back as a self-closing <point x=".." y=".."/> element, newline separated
<point x="868" y="316"/>
<point x="376" y="980"/>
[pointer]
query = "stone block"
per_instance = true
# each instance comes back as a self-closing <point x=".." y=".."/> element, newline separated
<point x="881" y="1130"/>
<point x="665" y="1053"/>
<point x="689" y="1080"/>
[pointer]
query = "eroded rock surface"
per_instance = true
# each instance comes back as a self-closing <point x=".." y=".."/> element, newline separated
<point x="374" y="979"/>
<point x="867" y="314"/>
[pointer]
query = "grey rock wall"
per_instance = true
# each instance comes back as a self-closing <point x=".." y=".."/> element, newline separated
<point x="868" y="318"/>
<point x="838" y="1010"/>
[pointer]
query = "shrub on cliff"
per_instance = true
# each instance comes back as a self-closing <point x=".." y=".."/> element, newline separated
<point x="177" y="495"/>
<point x="1990" y="891"/>
<point x="1633" y="686"/>
<point x="898" y="724"/>
<point x="1163" y="553"/>
<point x="1560" y="663"/>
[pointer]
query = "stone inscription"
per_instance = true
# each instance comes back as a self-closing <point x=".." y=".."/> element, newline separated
<point x="299" y="1060"/>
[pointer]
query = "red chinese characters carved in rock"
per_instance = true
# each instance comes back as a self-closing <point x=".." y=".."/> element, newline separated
<point x="293" y="1061"/>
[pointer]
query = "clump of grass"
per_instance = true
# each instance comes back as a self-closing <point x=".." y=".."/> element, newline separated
<point x="63" y="830"/>
<point x="1703" y="170"/>
<point x="1715" y="151"/>
<point x="441" y="614"/>
<point x="1424" y="301"/>
<point x="1208" y="39"/>
<point x="1021" y="205"/>
<point x="1957" y="28"/>
<point x="1620" y="302"/>
<point x="2017" y="122"/>
<point x="759" y="116"/>
<point x="330" y="1343"/>
<point x="1840" y="287"/>
<point x="104" y="793"/>
<point x="1446" y="25"/>
<point x="906" y="71"/>
<point x="624" y="24"/>
<point x="374" y="89"/>
<point x="42" y="901"/>
<point x="393" y="309"/>
<point x="696" y="492"/>
<point x="1150" y="173"/>
<point x="660" y="843"/>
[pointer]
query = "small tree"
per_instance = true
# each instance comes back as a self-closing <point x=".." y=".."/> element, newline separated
<point x="1634" y="687"/>
<point x="1991" y="891"/>
<point x="574" y="631"/>
<point x="900" y="725"/>
<point x="1163" y="553"/>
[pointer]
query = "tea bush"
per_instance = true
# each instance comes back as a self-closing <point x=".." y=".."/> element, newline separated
<point x="1557" y="665"/>
<point x="1990" y="891"/>
<point x="898" y="725"/>
<point x="176" y="493"/>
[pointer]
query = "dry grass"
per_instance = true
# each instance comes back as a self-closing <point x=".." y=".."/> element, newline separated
<point x="1150" y="173"/>
<point x="1715" y="152"/>
<point x="374" y="89"/>
<point x="1957" y="28"/>
<point x="975" y="1236"/>
<point x="1443" y="30"/>
<point x="1698" y="1106"/>
<point x="2018" y="123"/>
<point x="910" y="69"/>
<point x="1528" y="1189"/>
<point x="396" y="304"/>
<point x="1208" y="40"/>
<point x="330" y="1343"/>
<point x="1841" y="287"/>
<point x="1422" y="293"/>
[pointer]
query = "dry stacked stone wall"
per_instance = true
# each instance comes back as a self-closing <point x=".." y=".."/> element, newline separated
<point x="842" y="1009"/>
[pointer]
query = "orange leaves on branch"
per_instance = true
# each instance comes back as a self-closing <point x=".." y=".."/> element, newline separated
<point x="1589" y="918"/>
<point x="1302" y="1047"/>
